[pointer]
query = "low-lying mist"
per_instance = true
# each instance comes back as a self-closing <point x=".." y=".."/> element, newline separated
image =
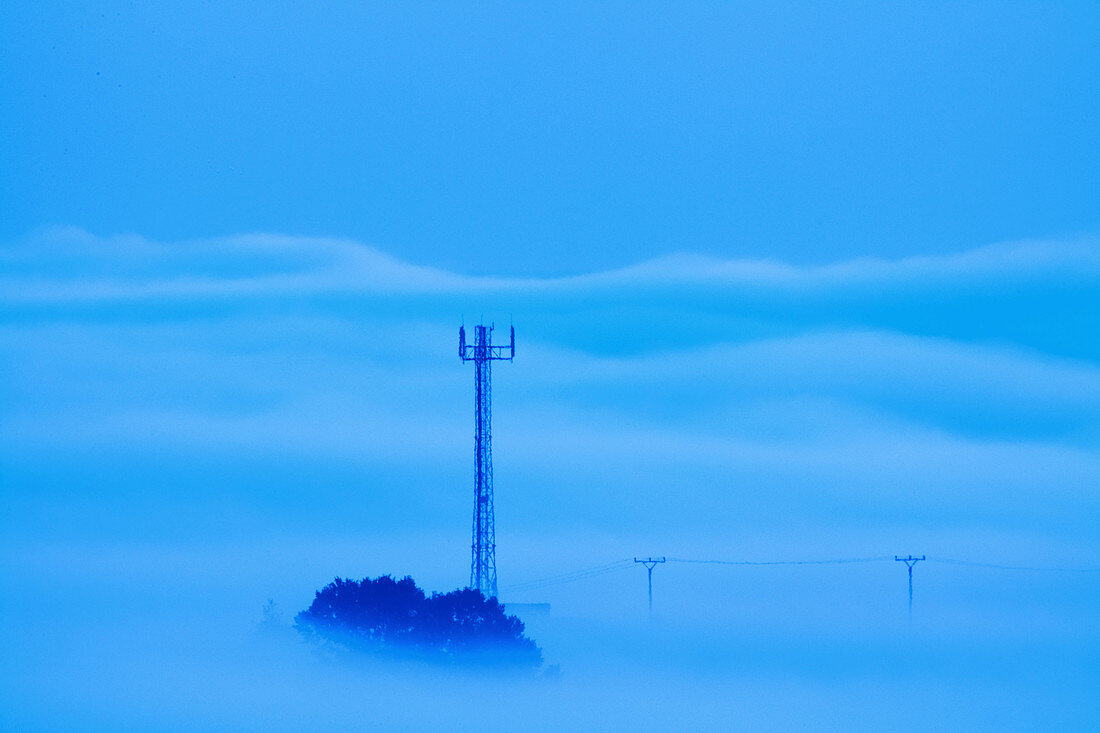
<point x="176" y="638"/>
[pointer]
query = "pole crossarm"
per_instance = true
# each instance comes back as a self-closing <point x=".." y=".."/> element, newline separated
<point x="910" y="561"/>
<point x="650" y="563"/>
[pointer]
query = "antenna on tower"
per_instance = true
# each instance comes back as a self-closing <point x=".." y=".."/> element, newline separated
<point x="483" y="550"/>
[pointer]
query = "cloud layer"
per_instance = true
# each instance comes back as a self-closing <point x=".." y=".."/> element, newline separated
<point x="70" y="264"/>
<point x="190" y="428"/>
<point x="964" y="387"/>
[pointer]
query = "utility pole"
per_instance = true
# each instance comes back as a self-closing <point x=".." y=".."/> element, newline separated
<point x="910" y="561"/>
<point x="483" y="550"/>
<point x="650" y="563"/>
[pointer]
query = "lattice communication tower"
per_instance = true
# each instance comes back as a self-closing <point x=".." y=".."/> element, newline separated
<point x="483" y="561"/>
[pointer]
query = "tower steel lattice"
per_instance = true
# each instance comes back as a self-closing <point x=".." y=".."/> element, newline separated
<point x="483" y="550"/>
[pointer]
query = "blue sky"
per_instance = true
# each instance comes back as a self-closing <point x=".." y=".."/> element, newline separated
<point x="788" y="281"/>
<point x="549" y="139"/>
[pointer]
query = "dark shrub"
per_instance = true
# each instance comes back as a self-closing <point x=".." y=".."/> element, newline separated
<point x="384" y="616"/>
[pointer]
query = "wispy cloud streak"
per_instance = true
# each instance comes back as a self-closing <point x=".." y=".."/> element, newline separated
<point x="69" y="264"/>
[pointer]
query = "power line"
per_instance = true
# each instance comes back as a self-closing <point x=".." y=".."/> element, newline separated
<point x="995" y="566"/>
<point x="585" y="576"/>
<point x="781" y="562"/>
<point x="573" y="572"/>
<point x="616" y="565"/>
<point x="572" y="576"/>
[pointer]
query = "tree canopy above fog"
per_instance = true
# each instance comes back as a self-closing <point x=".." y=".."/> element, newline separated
<point x="395" y="617"/>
